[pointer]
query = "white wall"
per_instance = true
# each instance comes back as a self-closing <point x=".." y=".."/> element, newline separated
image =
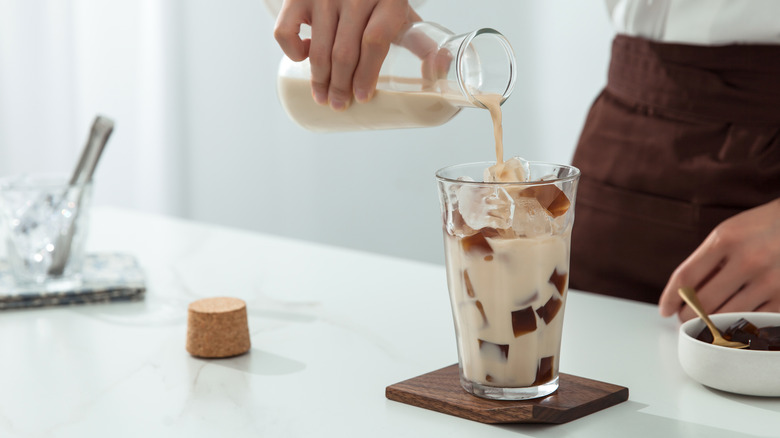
<point x="200" y="133"/>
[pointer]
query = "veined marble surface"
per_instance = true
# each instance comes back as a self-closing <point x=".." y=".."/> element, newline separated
<point x="330" y="329"/>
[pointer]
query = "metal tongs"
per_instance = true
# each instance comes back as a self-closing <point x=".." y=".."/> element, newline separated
<point x="82" y="175"/>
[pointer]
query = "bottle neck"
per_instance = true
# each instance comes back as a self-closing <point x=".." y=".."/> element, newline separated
<point x="484" y="64"/>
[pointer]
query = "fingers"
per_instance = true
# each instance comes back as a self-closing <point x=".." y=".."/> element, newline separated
<point x="381" y="29"/>
<point x="693" y="272"/>
<point x="413" y="17"/>
<point x="323" y="31"/>
<point x="350" y="40"/>
<point x="762" y="291"/>
<point x="720" y="288"/>
<point x="288" y="25"/>
<point x="345" y="55"/>
<point x="773" y="306"/>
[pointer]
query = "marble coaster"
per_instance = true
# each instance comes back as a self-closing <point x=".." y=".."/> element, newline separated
<point x="106" y="277"/>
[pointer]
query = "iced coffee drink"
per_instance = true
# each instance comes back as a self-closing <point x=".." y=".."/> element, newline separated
<point x="507" y="231"/>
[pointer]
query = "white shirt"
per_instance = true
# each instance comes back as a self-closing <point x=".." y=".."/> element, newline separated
<point x="705" y="22"/>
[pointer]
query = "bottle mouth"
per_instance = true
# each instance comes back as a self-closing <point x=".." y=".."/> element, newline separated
<point x="485" y="65"/>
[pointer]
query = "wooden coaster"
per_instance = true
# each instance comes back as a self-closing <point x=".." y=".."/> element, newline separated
<point x="217" y="327"/>
<point x="440" y="391"/>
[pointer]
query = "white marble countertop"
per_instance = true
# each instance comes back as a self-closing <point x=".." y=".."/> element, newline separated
<point x="330" y="329"/>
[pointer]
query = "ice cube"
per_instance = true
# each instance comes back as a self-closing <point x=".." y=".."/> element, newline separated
<point x="485" y="207"/>
<point x="513" y="170"/>
<point x="550" y="309"/>
<point x="544" y="373"/>
<point x="530" y="219"/>
<point x="36" y="222"/>
<point x="456" y="226"/>
<point x="452" y="190"/>
<point x="550" y="197"/>
<point x="453" y="220"/>
<point x="496" y="350"/>
<point x="523" y="321"/>
<point x="561" y="223"/>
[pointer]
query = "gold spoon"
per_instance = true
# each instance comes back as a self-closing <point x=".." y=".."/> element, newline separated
<point x="689" y="296"/>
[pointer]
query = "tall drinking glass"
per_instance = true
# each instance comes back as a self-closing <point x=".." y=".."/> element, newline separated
<point x="507" y="251"/>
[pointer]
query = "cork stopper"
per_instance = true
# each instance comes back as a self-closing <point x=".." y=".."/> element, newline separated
<point x="217" y="327"/>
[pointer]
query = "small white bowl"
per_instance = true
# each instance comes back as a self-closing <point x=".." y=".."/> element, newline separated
<point x="749" y="372"/>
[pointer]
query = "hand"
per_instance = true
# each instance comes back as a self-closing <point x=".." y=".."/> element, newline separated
<point x="350" y="39"/>
<point x="736" y="268"/>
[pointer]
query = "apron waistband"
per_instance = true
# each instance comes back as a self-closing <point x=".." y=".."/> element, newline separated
<point x="734" y="83"/>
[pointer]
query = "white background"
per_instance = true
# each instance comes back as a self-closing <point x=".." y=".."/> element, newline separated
<point x="200" y="133"/>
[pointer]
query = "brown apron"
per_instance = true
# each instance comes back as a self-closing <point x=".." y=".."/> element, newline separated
<point x="682" y="138"/>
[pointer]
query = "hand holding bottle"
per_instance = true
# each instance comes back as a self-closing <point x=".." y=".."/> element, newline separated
<point x="349" y="42"/>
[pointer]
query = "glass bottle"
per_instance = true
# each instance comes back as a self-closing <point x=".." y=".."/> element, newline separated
<point x="429" y="75"/>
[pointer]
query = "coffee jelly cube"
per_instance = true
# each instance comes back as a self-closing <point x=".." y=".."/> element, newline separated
<point x="523" y="321"/>
<point x="558" y="279"/>
<point x="550" y="309"/>
<point x="741" y="331"/>
<point x="482" y="312"/>
<point x="705" y="335"/>
<point x="544" y="372"/>
<point x="478" y="243"/>
<point x="772" y="337"/>
<point x="475" y="243"/>
<point x="759" y="344"/>
<point x="468" y="285"/>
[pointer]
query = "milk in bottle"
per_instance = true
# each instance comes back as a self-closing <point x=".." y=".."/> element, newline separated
<point x="429" y="75"/>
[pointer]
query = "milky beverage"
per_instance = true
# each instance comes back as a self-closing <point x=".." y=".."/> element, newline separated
<point x="507" y="251"/>
<point x="387" y="109"/>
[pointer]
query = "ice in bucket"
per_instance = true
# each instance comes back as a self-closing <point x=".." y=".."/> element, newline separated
<point x="507" y="231"/>
<point x="36" y="211"/>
